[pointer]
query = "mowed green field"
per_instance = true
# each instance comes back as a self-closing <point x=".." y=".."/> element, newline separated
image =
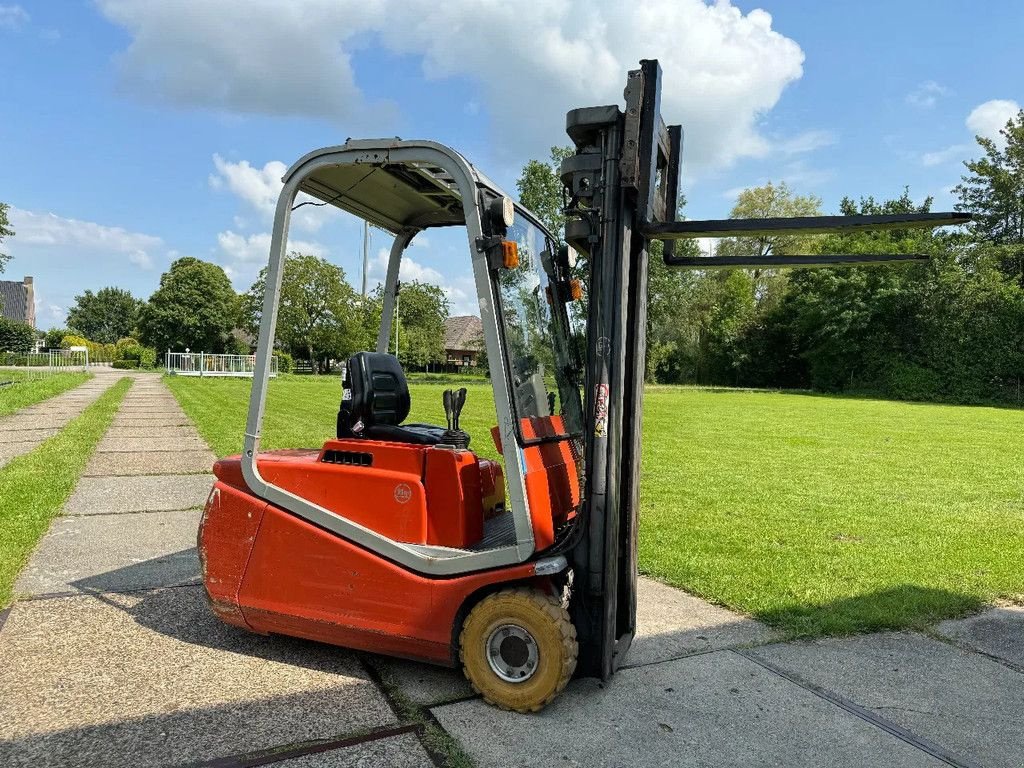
<point x="818" y="515"/>
<point x="23" y="392"/>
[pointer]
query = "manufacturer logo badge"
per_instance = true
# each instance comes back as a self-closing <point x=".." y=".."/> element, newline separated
<point x="402" y="493"/>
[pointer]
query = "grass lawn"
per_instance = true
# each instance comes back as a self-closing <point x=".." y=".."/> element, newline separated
<point x="818" y="515"/>
<point x="23" y="393"/>
<point x="34" y="487"/>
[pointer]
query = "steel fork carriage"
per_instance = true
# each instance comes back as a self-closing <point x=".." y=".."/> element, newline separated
<point x="622" y="186"/>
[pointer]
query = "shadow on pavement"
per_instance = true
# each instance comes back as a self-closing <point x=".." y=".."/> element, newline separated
<point x="196" y="735"/>
<point x="179" y="609"/>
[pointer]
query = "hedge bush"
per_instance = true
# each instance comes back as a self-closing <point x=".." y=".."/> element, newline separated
<point x="15" y="336"/>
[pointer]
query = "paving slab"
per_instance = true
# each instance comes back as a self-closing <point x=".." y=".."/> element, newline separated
<point x="11" y="451"/>
<point x="151" y="412"/>
<point x="150" y="463"/>
<point x="672" y="623"/>
<point x="153" y="403"/>
<point x="966" y="703"/>
<point x="27" y="435"/>
<point x="715" y="709"/>
<point x="998" y="632"/>
<point x="30" y="421"/>
<point x="142" y="402"/>
<point x="423" y="684"/>
<point x="114" y="553"/>
<point x="172" y="432"/>
<point x="403" y="751"/>
<point x="155" y="442"/>
<point x="150" y="421"/>
<point x="67" y="411"/>
<point x="138" y="493"/>
<point x="154" y="678"/>
<point x="136" y="406"/>
<point x="47" y="417"/>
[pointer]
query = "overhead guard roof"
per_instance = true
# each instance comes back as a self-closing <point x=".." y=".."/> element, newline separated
<point x="390" y="195"/>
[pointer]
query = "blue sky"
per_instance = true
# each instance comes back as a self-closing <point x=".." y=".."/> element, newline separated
<point x="132" y="133"/>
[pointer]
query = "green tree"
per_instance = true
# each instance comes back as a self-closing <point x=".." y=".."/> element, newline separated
<point x="5" y="231"/>
<point x="317" y="317"/>
<point x="946" y="329"/>
<point x="672" y="335"/>
<point x="993" y="192"/>
<point x="194" y="307"/>
<point x="418" y="323"/>
<point x="105" y="316"/>
<point x="765" y="202"/>
<point x="540" y="190"/>
<point x="15" y="336"/>
<point x="54" y="337"/>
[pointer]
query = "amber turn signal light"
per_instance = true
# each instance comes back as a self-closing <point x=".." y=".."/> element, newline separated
<point x="510" y="254"/>
<point x="575" y="289"/>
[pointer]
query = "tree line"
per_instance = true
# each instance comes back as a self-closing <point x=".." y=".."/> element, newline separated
<point x="321" y="319"/>
<point x="948" y="329"/>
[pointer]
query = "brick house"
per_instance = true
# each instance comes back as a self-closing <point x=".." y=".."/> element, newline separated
<point x="18" y="301"/>
<point x="463" y="340"/>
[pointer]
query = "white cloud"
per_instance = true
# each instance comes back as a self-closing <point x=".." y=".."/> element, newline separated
<point x="48" y="313"/>
<point x="531" y="61"/>
<point x="989" y="118"/>
<point x="949" y="154"/>
<point x="259" y="188"/>
<point x="808" y="141"/>
<point x="797" y="175"/>
<point x="926" y="95"/>
<point x="460" y="290"/>
<point x="985" y="120"/>
<point x="48" y="229"/>
<point x="141" y="259"/>
<point x="242" y="256"/>
<point x="13" y="17"/>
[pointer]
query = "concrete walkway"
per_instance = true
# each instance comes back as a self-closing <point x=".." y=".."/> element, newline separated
<point x="111" y="657"/>
<point x="23" y="431"/>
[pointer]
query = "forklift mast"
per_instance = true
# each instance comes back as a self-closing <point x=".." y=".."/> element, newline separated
<point x="622" y="188"/>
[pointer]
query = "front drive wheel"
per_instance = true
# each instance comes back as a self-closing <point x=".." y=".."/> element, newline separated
<point x="518" y="648"/>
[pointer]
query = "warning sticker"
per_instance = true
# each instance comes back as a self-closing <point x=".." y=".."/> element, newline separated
<point x="601" y="411"/>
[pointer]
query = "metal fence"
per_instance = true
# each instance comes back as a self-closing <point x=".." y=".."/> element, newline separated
<point x="74" y="359"/>
<point x="17" y="367"/>
<point x="205" y="364"/>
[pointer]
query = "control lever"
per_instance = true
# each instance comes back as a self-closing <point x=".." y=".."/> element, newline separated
<point x="447" y="400"/>
<point x="458" y="403"/>
<point x="454" y="400"/>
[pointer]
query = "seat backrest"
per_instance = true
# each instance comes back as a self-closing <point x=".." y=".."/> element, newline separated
<point x="376" y="393"/>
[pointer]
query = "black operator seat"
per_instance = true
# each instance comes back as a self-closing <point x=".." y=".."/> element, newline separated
<point x="376" y="401"/>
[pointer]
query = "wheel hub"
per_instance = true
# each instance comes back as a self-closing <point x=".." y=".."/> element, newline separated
<point x="512" y="653"/>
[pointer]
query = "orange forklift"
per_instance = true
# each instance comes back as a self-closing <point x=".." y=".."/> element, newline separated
<point x="395" y="537"/>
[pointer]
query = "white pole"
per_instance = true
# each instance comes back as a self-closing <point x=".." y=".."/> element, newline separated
<point x="366" y="254"/>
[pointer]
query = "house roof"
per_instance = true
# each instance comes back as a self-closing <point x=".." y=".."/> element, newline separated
<point x="463" y="332"/>
<point x="13" y="298"/>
